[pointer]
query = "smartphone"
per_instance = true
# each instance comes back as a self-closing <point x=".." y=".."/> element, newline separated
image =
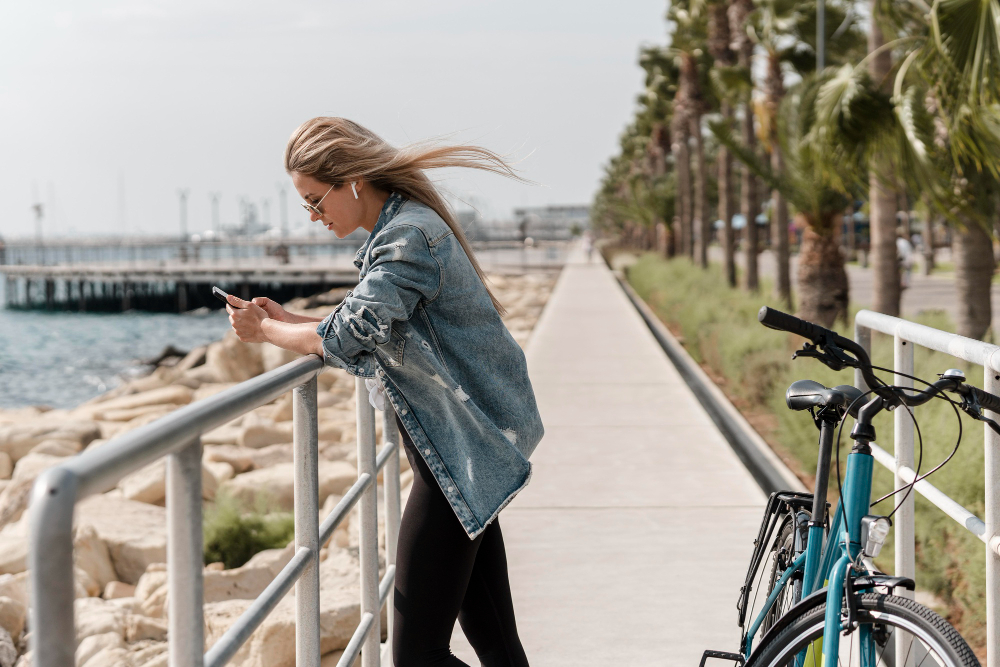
<point x="222" y="296"/>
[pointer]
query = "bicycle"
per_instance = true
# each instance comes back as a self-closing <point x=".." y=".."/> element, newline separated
<point x="822" y="582"/>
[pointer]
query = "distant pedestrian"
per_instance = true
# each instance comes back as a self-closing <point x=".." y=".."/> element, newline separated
<point x="588" y="245"/>
<point x="904" y="253"/>
<point x="425" y="332"/>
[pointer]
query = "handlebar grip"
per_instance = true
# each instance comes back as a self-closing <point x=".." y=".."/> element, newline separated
<point x="985" y="399"/>
<point x="775" y="319"/>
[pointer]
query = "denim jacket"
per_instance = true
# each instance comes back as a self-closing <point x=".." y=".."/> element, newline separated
<point x="421" y="321"/>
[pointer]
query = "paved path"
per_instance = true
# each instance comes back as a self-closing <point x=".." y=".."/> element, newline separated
<point x="631" y="542"/>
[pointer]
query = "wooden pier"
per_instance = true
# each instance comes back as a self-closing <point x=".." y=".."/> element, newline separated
<point x="165" y="287"/>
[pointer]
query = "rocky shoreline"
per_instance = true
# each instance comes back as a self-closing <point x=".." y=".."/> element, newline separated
<point x="120" y="536"/>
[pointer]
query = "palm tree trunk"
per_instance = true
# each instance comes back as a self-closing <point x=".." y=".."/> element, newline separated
<point x="701" y="216"/>
<point x="775" y="87"/>
<point x="739" y="16"/>
<point x="726" y="207"/>
<point x="972" y="249"/>
<point x="823" y="288"/>
<point x="881" y="196"/>
<point x="682" y="164"/>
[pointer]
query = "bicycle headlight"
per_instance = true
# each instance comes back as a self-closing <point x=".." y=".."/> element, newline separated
<point x="874" y="530"/>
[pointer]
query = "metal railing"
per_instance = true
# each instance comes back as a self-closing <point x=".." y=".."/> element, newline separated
<point x="177" y="436"/>
<point x="906" y="335"/>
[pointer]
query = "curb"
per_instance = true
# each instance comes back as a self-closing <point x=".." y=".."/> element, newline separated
<point x="769" y="471"/>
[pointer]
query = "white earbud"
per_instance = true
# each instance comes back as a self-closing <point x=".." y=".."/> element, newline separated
<point x="354" y="191"/>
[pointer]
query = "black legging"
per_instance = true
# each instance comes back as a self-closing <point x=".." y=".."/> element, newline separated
<point x="442" y="575"/>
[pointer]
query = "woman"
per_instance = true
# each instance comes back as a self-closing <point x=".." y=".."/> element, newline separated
<point x="425" y="331"/>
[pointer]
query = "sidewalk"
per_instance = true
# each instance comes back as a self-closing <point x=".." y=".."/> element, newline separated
<point x="630" y="545"/>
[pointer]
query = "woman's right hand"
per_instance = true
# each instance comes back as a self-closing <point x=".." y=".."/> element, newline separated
<point x="273" y="309"/>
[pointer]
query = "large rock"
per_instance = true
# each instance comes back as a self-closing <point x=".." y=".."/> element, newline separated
<point x="57" y="447"/>
<point x="110" y="657"/>
<point x="172" y="395"/>
<point x="151" y="591"/>
<point x="17" y="439"/>
<point x="14" y="500"/>
<point x="249" y="580"/>
<point x="134" y="532"/>
<point x="262" y="435"/>
<point x="15" y="587"/>
<point x="6" y="465"/>
<point x="276" y="484"/>
<point x="231" y="360"/>
<point x="91" y="555"/>
<point x="240" y="458"/>
<point x="273" y="356"/>
<point x="31" y="465"/>
<point x="273" y="644"/>
<point x="94" y="644"/>
<point x="95" y="616"/>
<point x="8" y="651"/>
<point x="14" y="547"/>
<point x="13" y="614"/>
<point x="149" y="485"/>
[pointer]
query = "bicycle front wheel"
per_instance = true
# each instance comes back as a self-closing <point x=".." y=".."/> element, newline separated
<point x="898" y="633"/>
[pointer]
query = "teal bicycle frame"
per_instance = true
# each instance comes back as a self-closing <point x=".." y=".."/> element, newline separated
<point x="825" y="561"/>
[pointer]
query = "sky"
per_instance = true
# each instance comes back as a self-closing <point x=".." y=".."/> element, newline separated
<point x="108" y="109"/>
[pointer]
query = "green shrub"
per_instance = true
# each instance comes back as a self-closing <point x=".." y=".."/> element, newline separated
<point x="233" y="534"/>
<point x="752" y="364"/>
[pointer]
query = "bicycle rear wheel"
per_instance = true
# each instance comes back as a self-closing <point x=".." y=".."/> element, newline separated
<point x="903" y="633"/>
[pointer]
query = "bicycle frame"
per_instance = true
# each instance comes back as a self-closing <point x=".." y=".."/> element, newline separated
<point x="825" y="561"/>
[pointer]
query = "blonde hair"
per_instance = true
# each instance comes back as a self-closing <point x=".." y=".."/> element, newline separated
<point x="336" y="151"/>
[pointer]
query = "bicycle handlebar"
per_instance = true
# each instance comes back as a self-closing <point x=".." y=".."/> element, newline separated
<point x="775" y="319"/>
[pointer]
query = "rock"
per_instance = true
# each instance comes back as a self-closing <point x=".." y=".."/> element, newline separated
<point x="149" y="653"/>
<point x="57" y="447"/>
<point x="273" y="356"/>
<point x="8" y="651"/>
<point x="14" y="500"/>
<point x="17" y="439"/>
<point x="240" y="458"/>
<point x="149" y="485"/>
<point x="151" y="592"/>
<point x="95" y="616"/>
<point x="224" y="435"/>
<point x="333" y="659"/>
<point x="31" y="465"/>
<point x="91" y="555"/>
<point x="134" y="532"/>
<point x="192" y="359"/>
<point x="15" y="587"/>
<point x="273" y="643"/>
<point x="85" y="584"/>
<point x="265" y="457"/>
<point x="13" y="615"/>
<point x="94" y="644"/>
<point x="217" y="566"/>
<point x="262" y="435"/>
<point x="139" y="627"/>
<point x="170" y="395"/>
<point x="117" y="589"/>
<point x="276" y="483"/>
<point x="128" y="414"/>
<point x="110" y="657"/>
<point x="231" y="360"/>
<point x="14" y="547"/>
<point x="6" y="465"/>
<point x="220" y="470"/>
<point x="249" y="580"/>
<point x="211" y="389"/>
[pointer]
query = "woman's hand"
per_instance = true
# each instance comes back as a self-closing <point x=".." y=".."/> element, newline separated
<point x="273" y="309"/>
<point x="246" y="318"/>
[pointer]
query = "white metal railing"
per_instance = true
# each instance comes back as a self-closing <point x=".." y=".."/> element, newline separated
<point x="906" y="335"/>
<point x="178" y="437"/>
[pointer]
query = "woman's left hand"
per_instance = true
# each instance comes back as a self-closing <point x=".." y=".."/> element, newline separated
<point x="246" y="318"/>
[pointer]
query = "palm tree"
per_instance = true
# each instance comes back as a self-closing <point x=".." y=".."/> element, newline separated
<point x="739" y="13"/>
<point x="718" y="47"/>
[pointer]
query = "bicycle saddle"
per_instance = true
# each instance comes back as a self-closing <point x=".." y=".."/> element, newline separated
<point x="805" y="394"/>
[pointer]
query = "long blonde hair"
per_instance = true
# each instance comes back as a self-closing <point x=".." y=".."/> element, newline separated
<point x="336" y="151"/>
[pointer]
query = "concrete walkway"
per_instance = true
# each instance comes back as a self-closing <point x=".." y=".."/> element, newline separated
<point x="630" y="545"/>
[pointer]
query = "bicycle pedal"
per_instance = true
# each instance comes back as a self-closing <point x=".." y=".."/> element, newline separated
<point x="721" y="655"/>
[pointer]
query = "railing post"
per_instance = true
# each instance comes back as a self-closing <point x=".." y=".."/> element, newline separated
<point x="50" y="564"/>
<point x="390" y="483"/>
<point x="306" y="492"/>
<point x="368" y="525"/>
<point x="863" y="337"/>
<point x="904" y="530"/>
<point x="185" y="557"/>
<point x="991" y="464"/>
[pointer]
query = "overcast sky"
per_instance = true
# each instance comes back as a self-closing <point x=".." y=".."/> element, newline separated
<point x="107" y="108"/>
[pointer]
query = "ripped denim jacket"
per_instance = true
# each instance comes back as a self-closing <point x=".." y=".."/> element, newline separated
<point x="421" y="322"/>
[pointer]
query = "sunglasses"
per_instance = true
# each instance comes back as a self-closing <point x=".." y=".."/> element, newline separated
<point x="314" y="208"/>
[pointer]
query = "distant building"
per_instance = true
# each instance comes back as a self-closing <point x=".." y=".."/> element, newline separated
<point x="552" y="223"/>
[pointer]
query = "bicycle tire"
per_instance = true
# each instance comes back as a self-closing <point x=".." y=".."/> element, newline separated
<point x="781" y="556"/>
<point x="874" y="609"/>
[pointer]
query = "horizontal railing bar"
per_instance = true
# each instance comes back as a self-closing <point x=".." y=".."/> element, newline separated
<point x="969" y="349"/>
<point x="99" y="469"/>
<point x="345" y="505"/>
<point x="354" y="646"/>
<point x="239" y="632"/>
<point x="384" y="455"/>
<point x="961" y="515"/>
<point x="384" y="586"/>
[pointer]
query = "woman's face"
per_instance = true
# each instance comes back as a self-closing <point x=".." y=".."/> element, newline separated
<point x="342" y="213"/>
